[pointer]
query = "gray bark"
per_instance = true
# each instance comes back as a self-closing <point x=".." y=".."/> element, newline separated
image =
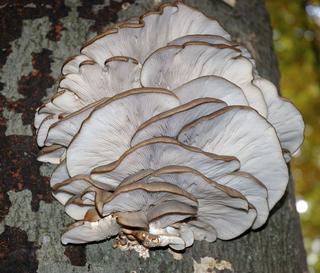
<point x="32" y="222"/>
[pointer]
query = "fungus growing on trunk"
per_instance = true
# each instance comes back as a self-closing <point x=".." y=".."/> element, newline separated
<point x="165" y="133"/>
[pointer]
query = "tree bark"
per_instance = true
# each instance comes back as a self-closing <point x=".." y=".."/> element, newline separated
<point x="36" y="36"/>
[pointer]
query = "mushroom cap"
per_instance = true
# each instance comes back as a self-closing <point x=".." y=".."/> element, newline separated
<point x="227" y="132"/>
<point x="284" y="117"/>
<point x="53" y="154"/>
<point x="120" y="42"/>
<point x="82" y="232"/>
<point x="141" y="196"/>
<point x="211" y="87"/>
<point x="171" y="66"/>
<point x="59" y="175"/>
<point x="225" y="205"/>
<point x="94" y="82"/>
<point x="160" y="152"/>
<point x="254" y="191"/>
<point x="112" y="125"/>
<point x="170" y="122"/>
<point x="150" y="206"/>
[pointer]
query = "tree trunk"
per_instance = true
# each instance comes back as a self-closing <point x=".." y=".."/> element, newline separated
<point x="36" y="36"/>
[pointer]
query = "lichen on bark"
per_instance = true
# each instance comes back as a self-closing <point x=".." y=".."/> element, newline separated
<point x="31" y="66"/>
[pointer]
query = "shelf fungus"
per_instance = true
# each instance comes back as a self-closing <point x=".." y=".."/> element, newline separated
<point x="163" y="133"/>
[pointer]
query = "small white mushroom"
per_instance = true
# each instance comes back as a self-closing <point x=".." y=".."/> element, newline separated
<point x="90" y="231"/>
<point x="53" y="154"/>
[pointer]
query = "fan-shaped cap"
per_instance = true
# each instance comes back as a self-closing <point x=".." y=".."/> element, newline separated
<point x="63" y="103"/>
<point x="214" y="40"/>
<point x="253" y="190"/>
<point x="53" y="154"/>
<point x="72" y="64"/>
<point x="112" y="125"/>
<point x="94" y="82"/>
<point x="227" y="132"/>
<point x="211" y="87"/>
<point x="169" y="123"/>
<point x="138" y="40"/>
<point x="225" y="205"/>
<point x="160" y="152"/>
<point x="90" y="231"/>
<point x="59" y="175"/>
<point x="284" y="116"/>
<point x="171" y="66"/>
<point x="139" y="196"/>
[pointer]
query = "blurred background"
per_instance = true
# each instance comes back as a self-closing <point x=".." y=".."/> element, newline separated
<point x="297" y="43"/>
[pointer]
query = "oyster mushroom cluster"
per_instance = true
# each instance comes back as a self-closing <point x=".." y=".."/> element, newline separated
<point x="164" y="133"/>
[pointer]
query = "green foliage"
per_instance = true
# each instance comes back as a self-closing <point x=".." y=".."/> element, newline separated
<point x="297" y="43"/>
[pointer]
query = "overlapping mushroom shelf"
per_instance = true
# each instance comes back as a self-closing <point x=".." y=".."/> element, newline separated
<point x="164" y="133"/>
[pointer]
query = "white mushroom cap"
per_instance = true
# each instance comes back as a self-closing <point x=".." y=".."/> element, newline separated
<point x="64" y="129"/>
<point x="59" y="175"/>
<point x="284" y="117"/>
<point x="112" y="125"/>
<point x="171" y="66"/>
<point x="94" y="82"/>
<point x="54" y="154"/>
<point x="77" y="207"/>
<point x="226" y="206"/>
<point x="72" y="65"/>
<point x="90" y="231"/>
<point x="160" y="152"/>
<point x="228" y="132"/>
<point x="169" y="123"/>
<point x="141" y="196"/>
<point x="42" y="131"/>
<point x="214" y="40"/>
<point x="88" y="84"/>
<point x="138" y="40"/>
<point x="253" y="190"/>
<point x="211" y="87"/>
<point x="64" y="102"/>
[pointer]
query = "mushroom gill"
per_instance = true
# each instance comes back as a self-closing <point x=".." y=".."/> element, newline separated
<point x="163" y="132"/>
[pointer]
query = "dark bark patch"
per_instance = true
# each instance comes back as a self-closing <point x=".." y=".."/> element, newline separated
<point x="17" y="254"/>
<point x="102" y="15"/>
<point x="33" y="86"/>
<point x="13" y="13"/>
<point x="76" y="254"/>
<point x="20" y="170"/>
<point x="55" y="32"/>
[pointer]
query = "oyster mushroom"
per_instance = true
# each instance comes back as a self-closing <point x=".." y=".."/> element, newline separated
<point x="165" y="137"/>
